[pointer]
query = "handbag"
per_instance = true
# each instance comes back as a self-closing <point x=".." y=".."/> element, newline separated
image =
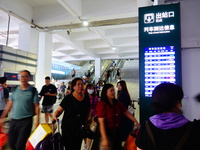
<point x="3" y="137"/>
<point x="130" y="141"/>
<point x="87" y="133"/>
<point x="84" y="132"/>
<point x="131" y="109"/>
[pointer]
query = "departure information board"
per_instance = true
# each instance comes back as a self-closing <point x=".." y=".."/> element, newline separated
<point x="159" y="51"/>
<point x="159" y="67"/>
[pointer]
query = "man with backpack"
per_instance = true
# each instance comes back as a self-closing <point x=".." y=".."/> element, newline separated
<point x="24" y="103"/>
<point x="49" y="93"/>
<point x="4" y="94"/>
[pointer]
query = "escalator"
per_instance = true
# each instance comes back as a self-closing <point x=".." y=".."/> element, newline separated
<point x="104" y="67"/>
<point x="109" y="67"/>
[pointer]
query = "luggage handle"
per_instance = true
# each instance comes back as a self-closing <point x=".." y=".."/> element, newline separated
<point x="58" y="124"/>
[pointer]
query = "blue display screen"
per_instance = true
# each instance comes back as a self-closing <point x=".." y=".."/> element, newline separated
<point x="159" y="67"/>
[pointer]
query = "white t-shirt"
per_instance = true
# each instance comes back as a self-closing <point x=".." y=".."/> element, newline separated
<point x="57" y="84"/>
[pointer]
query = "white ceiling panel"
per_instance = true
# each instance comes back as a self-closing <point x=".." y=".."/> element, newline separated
<point x="112" y="23"/>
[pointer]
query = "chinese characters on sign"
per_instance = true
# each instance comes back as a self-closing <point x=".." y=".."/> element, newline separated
<point x="158" y="17"/>
<point x="159" y="29"/>
<point x="161" y="16"/>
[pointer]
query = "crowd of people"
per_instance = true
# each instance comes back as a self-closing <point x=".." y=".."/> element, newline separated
<point x="104" y="111"/>
<point x="99" y="120"/>
<point x="82" y="104"/>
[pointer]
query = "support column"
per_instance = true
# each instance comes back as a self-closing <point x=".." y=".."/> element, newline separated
<point x="97" y="69"/>
<point x="28" y="38"/>
<point x="191" y="82"/>
<point x="190" y="57"/>
<point x="44" y="63"/>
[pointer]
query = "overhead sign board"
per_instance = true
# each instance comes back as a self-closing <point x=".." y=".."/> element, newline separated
<point x="159" y="20"/>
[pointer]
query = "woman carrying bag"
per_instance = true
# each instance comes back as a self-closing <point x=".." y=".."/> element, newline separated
<point x="109" y="111"/>
<point x="92" y="142"/>
<point x="76" y="109"/>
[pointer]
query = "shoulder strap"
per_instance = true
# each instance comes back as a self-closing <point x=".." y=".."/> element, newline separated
<point x="33" y="90"/>
<point x="150" y="134"/>
<point x="181" y="141"/>
<point x="93" y="100"/>
<point x="2" y="88"/>
<point x="184" y="137"/>
<point x="115" y="116"/>
<point x="14" y="88"/>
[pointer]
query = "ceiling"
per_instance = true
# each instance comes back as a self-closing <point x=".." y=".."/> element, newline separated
<point x="112" y="32"/>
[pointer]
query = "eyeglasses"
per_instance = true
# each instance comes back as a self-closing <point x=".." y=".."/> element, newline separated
<point x="19" y="76"/>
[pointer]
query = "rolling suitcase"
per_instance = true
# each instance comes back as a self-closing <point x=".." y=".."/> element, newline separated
<point x="52" y="142"/>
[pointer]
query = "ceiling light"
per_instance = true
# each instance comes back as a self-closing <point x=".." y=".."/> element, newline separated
<point x="85" y="23"/>
<point x="57" y="72"/>
<point x="113" y="48"/>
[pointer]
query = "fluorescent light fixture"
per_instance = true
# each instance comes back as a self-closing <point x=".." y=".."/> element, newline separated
<point x="85" y="23"/>
<point x="57" y="72"/>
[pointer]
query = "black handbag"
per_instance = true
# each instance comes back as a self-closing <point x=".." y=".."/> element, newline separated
<point x="87" y="133"/>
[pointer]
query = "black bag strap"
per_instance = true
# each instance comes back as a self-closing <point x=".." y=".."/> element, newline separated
<point x="184" y="137"/>
<point x="115" y="117"/>
<point x="181" y="141"/>
<point x="150" y="134"/>
<point x="93" y="100"/>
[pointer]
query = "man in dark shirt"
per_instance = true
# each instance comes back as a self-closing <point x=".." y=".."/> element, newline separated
<point x="48" y="93"/>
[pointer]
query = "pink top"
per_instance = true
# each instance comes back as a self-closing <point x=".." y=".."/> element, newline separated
<point x="93" y="104"/>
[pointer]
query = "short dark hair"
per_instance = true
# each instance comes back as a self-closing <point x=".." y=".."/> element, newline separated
<point x="3" y="80"/>
<point x="73" y="83"/>
<point x="165" y="96"/>
<point x="29" y="74"/>
<point x="47" y="78"/>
